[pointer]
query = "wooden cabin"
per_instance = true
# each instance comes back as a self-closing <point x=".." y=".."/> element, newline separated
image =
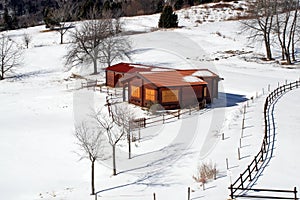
<point x="159" y="81"/>
<point x="167" y="88"/>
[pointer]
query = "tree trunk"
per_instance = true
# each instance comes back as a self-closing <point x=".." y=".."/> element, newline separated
<point x="2" y="71"/>
<point x="282" y="53"/>
<point x="114" y="160"/>
<point x="95" y="66"/>
<point x="268" y="50"/>
<point x="93" y="178"/>
<point x="129" y="145"/>
<point x="293" y="48"/>
<point x="61" y="38"/>
<point x="268" y="47"/>
<point x="288" y="57"/>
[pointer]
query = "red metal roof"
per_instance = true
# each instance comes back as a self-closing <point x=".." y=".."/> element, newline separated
<point x="129" y="68"/>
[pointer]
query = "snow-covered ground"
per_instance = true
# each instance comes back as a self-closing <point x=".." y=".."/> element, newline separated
<point x="37" y="146"/>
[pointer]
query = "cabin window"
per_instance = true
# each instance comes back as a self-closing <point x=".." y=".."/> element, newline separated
<point x="169" y="95"/>
<point x="150" y="94"/>
<point x="135" y="92"/>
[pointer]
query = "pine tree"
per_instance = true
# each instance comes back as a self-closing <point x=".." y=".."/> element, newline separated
<point x="168" y="19"/>
<point x="8" y="21"/>
<point x="178" y="4"/>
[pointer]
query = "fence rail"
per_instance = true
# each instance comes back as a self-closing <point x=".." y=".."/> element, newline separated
<point x="257" y="162"/>
<point x="168" y="116"/>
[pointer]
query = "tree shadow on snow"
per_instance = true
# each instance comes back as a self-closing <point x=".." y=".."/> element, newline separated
<point x="22" y="76"/>
<point x="156" y="172"/>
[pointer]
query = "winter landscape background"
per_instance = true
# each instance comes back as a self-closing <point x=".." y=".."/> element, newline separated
<point x="39" y="106"/>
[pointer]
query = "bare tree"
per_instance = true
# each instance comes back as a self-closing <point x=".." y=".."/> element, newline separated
<point x="10" y="56"/>
<point x="98" y="41"/>
<point x="90" y="141"/>
<point x="286" y="23"/>
<point x="117" y="126"/>
<point x="115" y="46"/>
<point x="27" y="39"/>
<point x="87" y="41"/>
<point x="124" y="116"/>
<point x="261" y="23"/>
<point x="113" y="133"/>
<point x="67" y="11"/>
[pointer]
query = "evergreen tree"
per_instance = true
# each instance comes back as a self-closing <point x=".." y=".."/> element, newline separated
<point x="168" y="19"/>
<point x="178" y="4"/>
<point x="160" y="6"/>
<point x="8" y="21"/>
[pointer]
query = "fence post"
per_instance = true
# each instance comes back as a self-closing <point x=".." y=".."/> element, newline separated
<point x="239" y="154"/>
<point x="163" y="118"/>
<point x="242" y="182"/>
<point x="178" y="114"/>
<point x="231" y="191"/>
<point x="264" y="146"/>
<point x="262" y="155"/>
<point x="295" y="192"/>
<point x="189" y="193"/>
<point x="227" y="165"/>
<point x="256" y="168"/>
<point x="154" y="196"/>
<point x="144" y="122"/>
<point x="243" y="123"/>
<point x="249" y="173"/>
<point x="240" y="142"/>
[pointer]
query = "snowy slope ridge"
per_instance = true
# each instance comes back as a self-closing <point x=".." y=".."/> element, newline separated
<point x="38" y="111"/>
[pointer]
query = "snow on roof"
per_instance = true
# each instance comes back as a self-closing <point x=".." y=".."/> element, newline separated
<point x="192" y="79"/>
<point x="161" y="70"/>
<point x="203" y="73"/>
<point x="139" y="66"/>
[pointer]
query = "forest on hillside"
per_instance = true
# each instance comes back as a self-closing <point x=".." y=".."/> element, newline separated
<point x="25" y="13"/>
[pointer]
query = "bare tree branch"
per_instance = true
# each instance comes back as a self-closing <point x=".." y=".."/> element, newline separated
<point x="97" y="41"/>
<point x="10" y="56"/>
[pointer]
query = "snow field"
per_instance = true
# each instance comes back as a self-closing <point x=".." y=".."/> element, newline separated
<point x="38" y="111"/>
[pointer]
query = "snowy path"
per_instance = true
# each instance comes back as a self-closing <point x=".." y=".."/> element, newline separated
<point x="282" y="167"/>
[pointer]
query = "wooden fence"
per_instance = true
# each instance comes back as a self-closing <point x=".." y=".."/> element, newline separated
<point x="167" y="116"/>
<point x="240" y="184"/>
